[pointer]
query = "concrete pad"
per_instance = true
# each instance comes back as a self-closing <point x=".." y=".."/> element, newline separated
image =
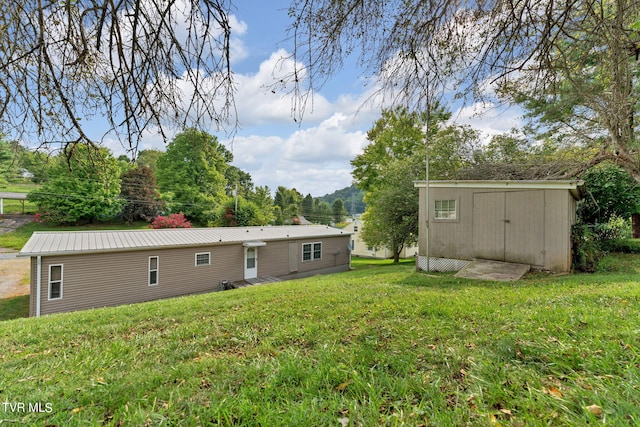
<point x="493" y="270"/>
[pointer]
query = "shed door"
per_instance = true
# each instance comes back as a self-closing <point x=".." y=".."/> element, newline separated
<point x="488" y="226"/>
<point x="509" y="226"/>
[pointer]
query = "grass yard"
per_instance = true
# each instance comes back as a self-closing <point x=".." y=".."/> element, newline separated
<point x="14" y="308"/>
<point x="374" y="346"/>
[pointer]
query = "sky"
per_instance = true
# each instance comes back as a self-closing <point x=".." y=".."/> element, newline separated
<point x="312" y="156"/>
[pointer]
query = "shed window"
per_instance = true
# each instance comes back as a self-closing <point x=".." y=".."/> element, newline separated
<point x="445" y="209"/>
<point x="311" y="251"/>
<point x="55" y="282"/>
<point x="203" y="258"/>
<point x="153" y="270"/>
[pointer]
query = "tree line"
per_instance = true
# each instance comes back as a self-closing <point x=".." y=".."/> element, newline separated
<point x="194" y="176"/>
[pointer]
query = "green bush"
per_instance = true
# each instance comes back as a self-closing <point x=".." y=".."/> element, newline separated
<point x="592" y="241"/>
<point x="587" y="250"/>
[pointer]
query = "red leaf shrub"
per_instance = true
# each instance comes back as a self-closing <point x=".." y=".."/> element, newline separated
<point x="173" y="221"/>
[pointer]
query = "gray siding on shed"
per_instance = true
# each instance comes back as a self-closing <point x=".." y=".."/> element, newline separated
<point x="115" y="278"/>
<point x="531" y="226"/>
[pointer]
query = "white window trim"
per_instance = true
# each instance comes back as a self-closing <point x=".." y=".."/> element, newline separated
<point x="208" y="259"/>
<point x="457" y="211"/>
<point x="157" y="270"/>
<point x="312" y="244"/>
<point x="61" y="281"/>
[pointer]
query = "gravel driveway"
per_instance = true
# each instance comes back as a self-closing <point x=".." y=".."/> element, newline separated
<point x="13" y="271"/>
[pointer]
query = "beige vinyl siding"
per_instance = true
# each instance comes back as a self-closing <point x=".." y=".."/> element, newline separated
<point x="273" y="259"/>
<point x="115" y="278"/>
<point x="109" y="279"/>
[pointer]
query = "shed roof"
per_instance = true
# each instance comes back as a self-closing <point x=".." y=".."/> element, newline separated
<point x="76" y="242"/>
<point x="575" y="186"/>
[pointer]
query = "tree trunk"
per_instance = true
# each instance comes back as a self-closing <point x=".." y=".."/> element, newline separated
<point x="635" y="225"/>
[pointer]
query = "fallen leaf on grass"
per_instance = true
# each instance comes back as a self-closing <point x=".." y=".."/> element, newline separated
<point x="76" y="410"/>
<point x="554" y="392"/>
<point x="494" y="420"/>
<point x="506" y="411"/>
<point x="594" y="409"/>
<point x="343" y="421"/>
<point x="343" y="386"/>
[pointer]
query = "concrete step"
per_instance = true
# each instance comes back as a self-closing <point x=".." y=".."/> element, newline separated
<point x="493" y="270"/>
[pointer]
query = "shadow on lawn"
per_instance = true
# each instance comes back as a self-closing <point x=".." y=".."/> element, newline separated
<point x="14" y="308"/>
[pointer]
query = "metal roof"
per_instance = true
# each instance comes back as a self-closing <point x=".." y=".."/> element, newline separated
<point x="75" y="242"/>
<point x="575" y="186"/>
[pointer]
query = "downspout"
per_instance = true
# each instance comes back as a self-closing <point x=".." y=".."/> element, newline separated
<point x="38" y="283"/>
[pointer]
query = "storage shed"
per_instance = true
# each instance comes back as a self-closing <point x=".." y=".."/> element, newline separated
<point x="87" y="269"/>
<point x="526" y="222"/>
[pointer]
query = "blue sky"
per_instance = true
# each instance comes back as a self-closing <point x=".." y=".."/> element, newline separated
<point x="312" y="156"/>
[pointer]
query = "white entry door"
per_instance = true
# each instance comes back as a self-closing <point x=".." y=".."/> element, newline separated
<point x="250" y="263"/>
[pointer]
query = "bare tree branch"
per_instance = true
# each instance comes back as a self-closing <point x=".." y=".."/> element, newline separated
<point x="138" y="64"/>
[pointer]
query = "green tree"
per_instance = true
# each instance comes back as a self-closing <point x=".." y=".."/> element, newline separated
<point x="587" y="93"/>
<point x="237" y="178"/>
<point x="391" y="217"/>
<point x="612" y="192"/>
<point x="246" y="214"/>
<point x="191" y="174"/>
<point x="398" y="134"/>
<point x="339" y="212"/>
<point x="261" y="197"/>
<point x="287" y="202"/>
<point x="7" y="162"/>
<point x="84" y="186"/>
<point x="149" y="158"/>
<point x="140" y="194"/>
<point x="307" y="208"/>
<point x="323" y="212"/>
<point x="38" y="164"/>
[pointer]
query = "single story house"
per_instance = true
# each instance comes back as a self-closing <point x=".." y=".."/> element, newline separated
<point x="526" y="222"/>
<point x="361" y="249"/>
<point x="87" y="269"/>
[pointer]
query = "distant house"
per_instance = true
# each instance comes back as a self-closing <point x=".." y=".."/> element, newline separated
<point x="361" y="249"/>
<point x="87" y="269"/>
<point x="527" y="222"/>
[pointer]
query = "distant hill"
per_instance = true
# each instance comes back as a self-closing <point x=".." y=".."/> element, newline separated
<point x="351" y="196"/>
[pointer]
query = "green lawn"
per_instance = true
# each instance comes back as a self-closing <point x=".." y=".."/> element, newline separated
<point x="14" y="308"/>
<point x="374" y="346"/>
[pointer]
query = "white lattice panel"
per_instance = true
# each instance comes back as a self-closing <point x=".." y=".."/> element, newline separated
<point x="441" y="264"/>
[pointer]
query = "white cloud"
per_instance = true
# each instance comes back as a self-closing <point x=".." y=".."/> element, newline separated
<point x="489" y="118"/>
<point x="314" y="160"/>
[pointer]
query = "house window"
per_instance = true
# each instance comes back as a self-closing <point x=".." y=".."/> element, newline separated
<point x="153" y="270"/>
<point x="203" y="258"/>
<point x="311" y="251"/>
<point x="55" y="282"/>
<point x="355" y="228"/>
<point x="445" y="209"/>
